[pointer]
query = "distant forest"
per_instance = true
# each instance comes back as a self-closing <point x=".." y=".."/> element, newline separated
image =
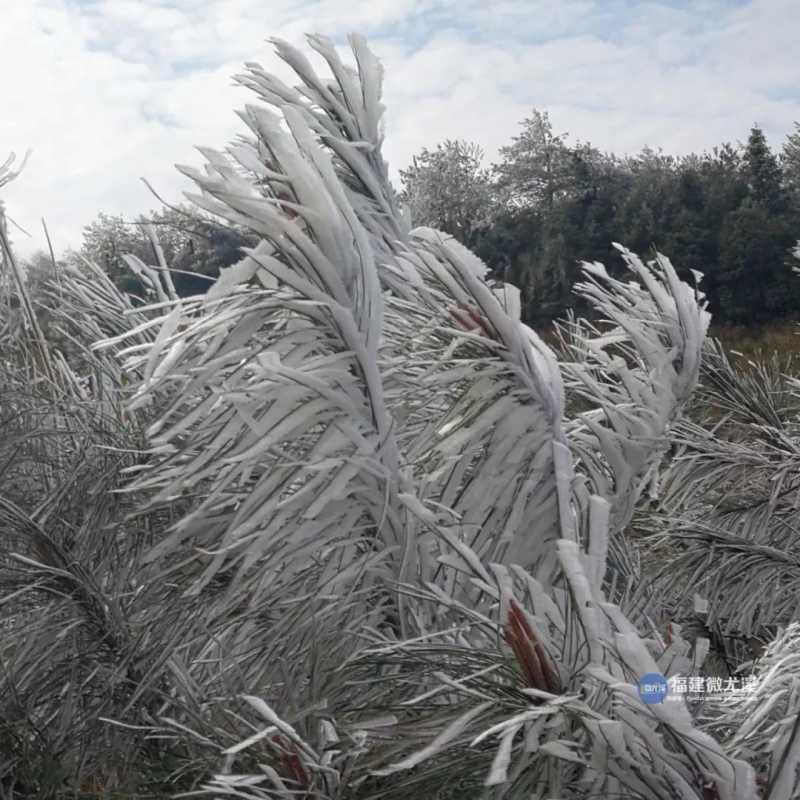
<point x="732" y="214"/>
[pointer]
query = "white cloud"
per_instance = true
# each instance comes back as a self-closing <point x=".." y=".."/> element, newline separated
<point x="106" y="91"/>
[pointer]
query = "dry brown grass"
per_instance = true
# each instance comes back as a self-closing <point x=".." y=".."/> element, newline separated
<point x="759" y="343"/>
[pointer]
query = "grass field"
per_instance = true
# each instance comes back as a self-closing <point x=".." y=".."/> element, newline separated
<point x="781" y="338"/>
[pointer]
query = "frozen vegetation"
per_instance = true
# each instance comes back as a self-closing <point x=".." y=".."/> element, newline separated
<point x="345" y="527"/>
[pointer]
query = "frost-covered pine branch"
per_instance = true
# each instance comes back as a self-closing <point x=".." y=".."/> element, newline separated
<point x="374" y="548"/>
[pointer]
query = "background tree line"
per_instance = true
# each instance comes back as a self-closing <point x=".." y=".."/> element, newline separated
<point x="732" y="214"/>
<point x="194" y="246"/>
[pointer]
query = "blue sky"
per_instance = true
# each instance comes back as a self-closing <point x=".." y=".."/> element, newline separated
<point x="107" y="91"/>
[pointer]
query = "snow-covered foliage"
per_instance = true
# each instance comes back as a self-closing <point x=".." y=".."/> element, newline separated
<point x="367" y="421"/>
<point x="393" y="557"/>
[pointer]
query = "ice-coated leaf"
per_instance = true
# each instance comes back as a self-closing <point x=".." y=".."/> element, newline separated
<point x="498" y="773"/>
<point x="453" y="731"/>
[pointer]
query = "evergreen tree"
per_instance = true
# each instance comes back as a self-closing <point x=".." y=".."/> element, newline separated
<point x="448" y="189"/>
<point x="536" y="167"/>
<point x="756" y="282"/>
<point x="763" y="171"/>
<point x="790" y="161"/>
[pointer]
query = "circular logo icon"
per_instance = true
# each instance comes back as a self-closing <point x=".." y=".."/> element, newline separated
<point x="653" y="688"/>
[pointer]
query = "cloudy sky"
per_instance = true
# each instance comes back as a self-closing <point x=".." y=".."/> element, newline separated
<point x="106" y="91"/>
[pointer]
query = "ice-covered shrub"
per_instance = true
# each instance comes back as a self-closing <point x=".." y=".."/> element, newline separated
<point x="374" y="555"/>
